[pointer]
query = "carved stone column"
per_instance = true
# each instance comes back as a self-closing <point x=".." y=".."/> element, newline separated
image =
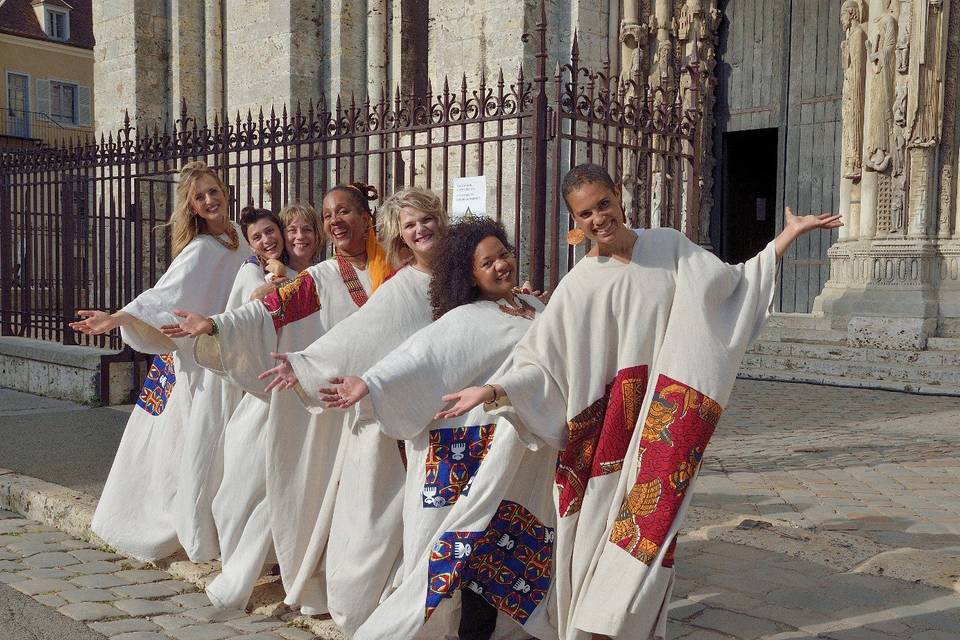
<point x="886" y="287"/>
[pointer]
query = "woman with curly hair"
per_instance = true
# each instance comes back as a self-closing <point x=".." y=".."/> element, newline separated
<point x="478" y="320"/>
<point x="367" y="518"/>
<point x="299" y="458"/>
<point x="137" y="513"/>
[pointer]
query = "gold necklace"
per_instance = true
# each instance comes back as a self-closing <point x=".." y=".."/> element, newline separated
<point x="523" y="311"/>
<point x="233" y="239"/>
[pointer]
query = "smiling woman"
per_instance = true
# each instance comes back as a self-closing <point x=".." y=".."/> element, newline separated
<point x="138" y="512"/>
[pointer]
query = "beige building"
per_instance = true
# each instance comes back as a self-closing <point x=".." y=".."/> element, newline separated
<point x="46" y="55"/>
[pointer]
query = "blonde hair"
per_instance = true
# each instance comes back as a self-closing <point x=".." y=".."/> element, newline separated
<point x="388" y="230"/>
<point x="184" y="224"/>
<point x="305" y="210"/>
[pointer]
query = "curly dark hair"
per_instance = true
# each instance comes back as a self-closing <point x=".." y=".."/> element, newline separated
<point x="452" y="283"/>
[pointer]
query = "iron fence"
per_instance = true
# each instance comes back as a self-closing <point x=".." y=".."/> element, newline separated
<point x="78" y="224"/>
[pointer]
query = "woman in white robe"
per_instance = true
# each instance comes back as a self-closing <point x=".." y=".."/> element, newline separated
<point x="216" y="399"/>
<point x="627" y="372"/>
<point x="480" y="320"/>
<point x="299" y="454"/>
<point x="367" y="518"/>
<point x="137" y="512"/>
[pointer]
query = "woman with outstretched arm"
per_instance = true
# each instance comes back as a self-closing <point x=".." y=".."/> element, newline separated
<point x="137" y="513"/>
<point x="627" y="373"/>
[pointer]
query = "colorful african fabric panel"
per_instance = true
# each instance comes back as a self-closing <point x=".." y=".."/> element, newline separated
<point x="452" y="460"/>
<point x="158" y="385"/>
<point x="293" y="301"/>
<point x="599" y="437"/>
<point x="509" y="564"/>
<point x="675" y="434"/>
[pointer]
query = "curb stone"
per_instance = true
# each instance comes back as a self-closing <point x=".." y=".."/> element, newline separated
<point x="71" y="512"/>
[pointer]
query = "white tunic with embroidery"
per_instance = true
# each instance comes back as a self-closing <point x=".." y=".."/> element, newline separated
<point x="364" y="550"/>
<point x="284" y="477"/>
<point x="213" y="404"/>
<point x="453" y="522"/>
<point x="627" y="372"/>
<point x="138" y="513"/>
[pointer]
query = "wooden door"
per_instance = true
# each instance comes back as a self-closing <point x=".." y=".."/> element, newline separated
<point x="779" y="68"/>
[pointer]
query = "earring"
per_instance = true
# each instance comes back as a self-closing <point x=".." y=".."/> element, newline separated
<point x="576" y="236"/>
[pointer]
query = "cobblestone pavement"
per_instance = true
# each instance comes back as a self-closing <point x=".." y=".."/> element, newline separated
<point x="849" y="501"/>
<point x="820" y="512"/>
<point x="118" y="597"/>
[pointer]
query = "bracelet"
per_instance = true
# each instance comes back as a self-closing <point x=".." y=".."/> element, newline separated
<point x="215" y="330"/>
<point x="494" y="389"/>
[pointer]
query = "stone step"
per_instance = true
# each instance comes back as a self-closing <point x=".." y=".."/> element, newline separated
<point x="798" y="321"/>
<point x="913" y="374"/>
<point x="810" y="336"/>
<point x="931" y="358"/>
<point x="943" y="344"/>
<point x="845" y="381"/>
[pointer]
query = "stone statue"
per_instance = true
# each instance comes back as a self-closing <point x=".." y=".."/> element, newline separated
<point x="903" y="39"/>
<point x="924" y="96"/>
<point x="882" y="58"/>
<point x="853" y="51"/>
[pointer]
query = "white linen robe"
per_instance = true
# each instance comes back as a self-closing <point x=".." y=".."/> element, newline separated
<point x="213" y="404"/>
<point x="627" y="371"/>
<point x="297" y="453"/>
<point x="453" y="522"/>
<point x="137" y="511"/>
<point x="363" y="549"/>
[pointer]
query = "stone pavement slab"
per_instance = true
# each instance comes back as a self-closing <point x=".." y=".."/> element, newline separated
<point x="120" y="602"/>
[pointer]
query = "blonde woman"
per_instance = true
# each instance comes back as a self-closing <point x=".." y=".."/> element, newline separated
<point x="137" y="510"/>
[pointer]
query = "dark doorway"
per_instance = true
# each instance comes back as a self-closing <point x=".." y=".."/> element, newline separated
<point x="749" y="213"/>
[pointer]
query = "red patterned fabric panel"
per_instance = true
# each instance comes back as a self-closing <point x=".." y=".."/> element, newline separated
<point x="599" y="437"/>
<point x="293" y="301"/>
<point x="675" y="434"/>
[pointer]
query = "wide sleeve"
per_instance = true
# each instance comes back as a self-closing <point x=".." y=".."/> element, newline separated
<point x="198" y="279"/>
<point x="536" y="383"/>
<point x="398" y="309"/>
<point x="407" y="386"/>
<point x="246" y="335"/>
<point x="718" y="310"/>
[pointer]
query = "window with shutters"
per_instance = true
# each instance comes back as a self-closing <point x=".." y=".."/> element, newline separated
<point x="63" y="102"/>
<point x="58" y="24"/>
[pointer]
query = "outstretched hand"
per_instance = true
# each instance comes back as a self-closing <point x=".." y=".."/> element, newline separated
<point x="795" y="226"/>
<point x="346" y="392"/>
<point x="94" y="322"/>
<point x="283" y="374"/>
<point x="463" y="401"/>
<point x="192" y="325"/>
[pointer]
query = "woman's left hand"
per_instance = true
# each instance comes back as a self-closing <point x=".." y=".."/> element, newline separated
<point x="283" y="374"/>
<point x="193" y="325"/>
<point x="795" y="226"/>
<point x="346" y="392"/>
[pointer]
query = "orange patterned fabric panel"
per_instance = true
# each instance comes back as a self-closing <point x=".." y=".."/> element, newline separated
<point x="599" y="437"/>
<point x="675" y="434"/>
<point x="293" y="301"/>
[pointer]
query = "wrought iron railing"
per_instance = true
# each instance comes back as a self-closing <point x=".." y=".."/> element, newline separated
<point x="77" y="223"/>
